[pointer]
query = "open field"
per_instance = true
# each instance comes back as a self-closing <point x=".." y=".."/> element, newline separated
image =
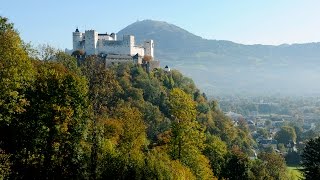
<point x="295" y="173"/>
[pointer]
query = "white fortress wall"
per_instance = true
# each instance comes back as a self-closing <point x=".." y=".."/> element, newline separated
<point x="128" y="40"/>
<point x="149" y="48"/>
<point x="77" y="38"/>
<point x="113" y="47"/>
<point x="106" y="37"/>
<point x="137" y="49"/>
<point x="93" y="43"/>
<point x="91" y="40"/>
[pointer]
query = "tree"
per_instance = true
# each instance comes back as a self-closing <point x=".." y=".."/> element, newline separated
<point x="187" y="139"/>
<point x="46" y="52"/>
<point x="55" y="123"/>
<point x="4" y="165"/>
<point x="299" y="132"/>
<point x="310" y="134"/>
<point x="68" y="61"/>
<point x="16" y="72"/>
<point x="61" y="122"/>
<point x="275" y="165"/>
<point x="282" y="148"/>
<point x="285" y="135"/>
<point x="154" y="120"/>
<point x="182" y="109"/>
<point x="268" y="123"/>
<point x="258" y="170"/>
<point x="147" y="58"/>
<point x="216" y="151"/>
<point x="5" y="25"/>
<point x="263" y="132"/>
<point x="104" y="89"/>
<point x="237" y="165"/>
<point x="149" y="85"/>
<point x="311" y="159"/>
<point x="160" y="166"/>
<point x="293" y="158"/>
<point x="78" y="53"/>
<point x="45" y="139"/>
<point x="127" y="161"/>
<point x="103" y="94"/>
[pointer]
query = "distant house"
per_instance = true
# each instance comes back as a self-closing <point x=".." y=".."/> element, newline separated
<point x="234" y="116"/>
<point x="291" y="146"/>
<point x="260" y="123"/>
<point x="277" y="124"/>
<point x="273" y="131"/>
<point x="268" y="142"/>
<point x="167" y="68"/>
<point x="251" y="123"/>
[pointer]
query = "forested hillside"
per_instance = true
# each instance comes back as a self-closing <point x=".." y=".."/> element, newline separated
<point x="60" y="119"/>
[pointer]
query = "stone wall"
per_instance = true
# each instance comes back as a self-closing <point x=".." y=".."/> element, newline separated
<point x="93" y="43"/>
<point x="136" y="50"/>
<point x="149" y="48"/>
<point x="113" y="47"/>
<point x="91" y="40"/>
<point x="77" y="38"/>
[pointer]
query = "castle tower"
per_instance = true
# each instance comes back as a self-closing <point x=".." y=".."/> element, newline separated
<point x="76" y="39"/>
<point x="149" y="48"/>
<point x="128" y="43"/>
<point x="91" y="42"/>
<point x="114" y="36"/>
<point x="128" y="40"/>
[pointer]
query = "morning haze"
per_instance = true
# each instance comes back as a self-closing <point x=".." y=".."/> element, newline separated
<point x="189" y="90"/>
<point x="224" y="68"/>
<point x="211" y="45"/>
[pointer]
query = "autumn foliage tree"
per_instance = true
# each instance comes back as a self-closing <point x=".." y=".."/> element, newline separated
<point x="187" y="139"/>
<point x="61" y="118"/>
<point x="147" y="58"/>
<point x="16" y="72"/>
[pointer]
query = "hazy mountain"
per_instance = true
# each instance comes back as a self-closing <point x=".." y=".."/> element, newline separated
<point x="225" y="67"/>
<point x="168" y="37"/>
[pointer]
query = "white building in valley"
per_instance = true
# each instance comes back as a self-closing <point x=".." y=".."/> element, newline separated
<point x="93" y="43"/>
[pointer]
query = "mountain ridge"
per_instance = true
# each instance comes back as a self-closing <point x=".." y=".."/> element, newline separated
<point x="226" y="67"/>
<point x="151" y="21"/>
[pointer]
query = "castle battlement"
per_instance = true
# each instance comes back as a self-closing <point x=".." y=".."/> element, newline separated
<point x="93" y="43"/>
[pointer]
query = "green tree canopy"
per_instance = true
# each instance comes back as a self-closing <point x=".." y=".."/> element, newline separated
<point x="16" y="72"/>
<point x="311" y="159"/>
<point x="285" y="135"/>
<point x="63" y="119"/>
<point x="216" y="151"/>
<point x="275" y="165"/>
<point x="187" y="139"/>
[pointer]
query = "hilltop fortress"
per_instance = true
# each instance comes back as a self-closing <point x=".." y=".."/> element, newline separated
<point x="114" y="50"/>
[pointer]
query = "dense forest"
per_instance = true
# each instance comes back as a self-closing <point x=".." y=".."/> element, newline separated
<point x="66" y="119"/>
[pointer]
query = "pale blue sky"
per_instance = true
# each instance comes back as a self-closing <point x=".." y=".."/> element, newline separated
<point x="243" y="21"/>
